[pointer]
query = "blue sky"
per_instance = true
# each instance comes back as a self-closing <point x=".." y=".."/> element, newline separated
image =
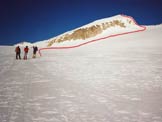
<point x="35" y="20"/>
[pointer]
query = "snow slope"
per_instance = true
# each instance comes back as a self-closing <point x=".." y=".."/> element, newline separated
<point x="118" y="79"/>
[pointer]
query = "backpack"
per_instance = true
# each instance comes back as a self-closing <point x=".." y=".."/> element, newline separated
<point x="26" y="49"/>
<point x="17" y="49"/>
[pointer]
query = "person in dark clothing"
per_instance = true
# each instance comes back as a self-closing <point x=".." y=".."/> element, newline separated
<point x="18" y="52"/>
<point x="35" y="49"/>
<point x="26" y="49"/>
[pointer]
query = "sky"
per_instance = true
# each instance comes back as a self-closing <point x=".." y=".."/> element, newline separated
<point x="37" y="20"/>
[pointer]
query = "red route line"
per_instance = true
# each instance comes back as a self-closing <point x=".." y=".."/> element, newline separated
<point x="68" y="47"/>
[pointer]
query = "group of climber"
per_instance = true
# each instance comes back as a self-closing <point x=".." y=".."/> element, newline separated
<point x="26" y="50"/>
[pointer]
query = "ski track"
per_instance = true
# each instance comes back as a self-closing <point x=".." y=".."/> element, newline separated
<point x="119" y="82"/>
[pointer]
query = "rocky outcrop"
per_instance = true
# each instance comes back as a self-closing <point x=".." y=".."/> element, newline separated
<point x="87" y="32"/>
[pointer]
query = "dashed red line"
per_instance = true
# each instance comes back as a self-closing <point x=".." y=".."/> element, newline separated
<point x="143" y="28"/>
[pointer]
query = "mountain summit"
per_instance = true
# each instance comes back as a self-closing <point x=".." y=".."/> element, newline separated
<point x="98" y="29"/>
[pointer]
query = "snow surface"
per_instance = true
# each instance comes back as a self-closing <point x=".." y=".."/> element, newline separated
<point x="118" y="79"/>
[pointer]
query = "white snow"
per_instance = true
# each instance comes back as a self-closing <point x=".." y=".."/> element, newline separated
<point x="118" y="79"/>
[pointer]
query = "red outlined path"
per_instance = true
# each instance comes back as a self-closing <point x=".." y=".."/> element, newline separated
<point x="143" y="28"/>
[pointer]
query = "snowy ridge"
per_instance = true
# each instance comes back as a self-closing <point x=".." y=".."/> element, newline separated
<point x="117" y="17"/>
<point x="94" y="30"/>
<point x="97" y="29"/>
<point x="117" y="27"/>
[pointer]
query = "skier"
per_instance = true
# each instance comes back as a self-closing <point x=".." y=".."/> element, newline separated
<point x="18" y="51"/>
<point x="35" y="49"/>
<point x="26" y="49"/>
